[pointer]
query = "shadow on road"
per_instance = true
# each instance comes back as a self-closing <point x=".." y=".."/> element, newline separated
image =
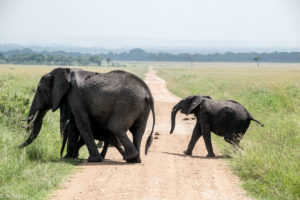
<point x="107" y="162"/>
<point x="183" y="155"/>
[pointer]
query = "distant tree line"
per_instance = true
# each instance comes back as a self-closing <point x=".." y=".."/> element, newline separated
<point x="27" y="56"/>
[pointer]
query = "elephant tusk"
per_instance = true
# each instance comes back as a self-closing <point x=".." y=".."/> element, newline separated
<point x="26" y="119"/>
<point x="32" y="121"/>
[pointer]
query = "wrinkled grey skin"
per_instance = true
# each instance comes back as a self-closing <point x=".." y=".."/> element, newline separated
<point x="69" y="132"/>
<point x="116" y="101"/>
<point x="228" y="119"/>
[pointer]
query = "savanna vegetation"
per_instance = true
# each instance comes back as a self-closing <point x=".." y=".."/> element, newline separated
<point x="27" y="56"/>
<point x="269" y="165"/>
<point x="31" y="172"/>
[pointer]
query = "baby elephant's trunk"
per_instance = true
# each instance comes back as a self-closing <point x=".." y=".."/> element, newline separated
<point x="176" y="108"/>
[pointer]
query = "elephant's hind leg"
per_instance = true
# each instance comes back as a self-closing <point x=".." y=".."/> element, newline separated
<point x="130" y="149"/>
<point x="206" y="131"/>
<point x="138" y="130"/>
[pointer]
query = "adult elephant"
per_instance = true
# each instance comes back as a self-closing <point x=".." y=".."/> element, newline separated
<point x="225" y="118"/>
<point x="116" y="101"/>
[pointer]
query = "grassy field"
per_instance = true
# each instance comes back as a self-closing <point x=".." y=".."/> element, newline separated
<point x="269" y="166"/>
<point x="32" y="172"/>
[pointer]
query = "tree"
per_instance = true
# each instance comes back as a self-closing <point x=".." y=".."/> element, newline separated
<point x="82" y="60"/>
<point x="97" y="59"/>
<point x="2" y="58"/>
<point x="108" y="60"/>
<point x="256" y="59"/>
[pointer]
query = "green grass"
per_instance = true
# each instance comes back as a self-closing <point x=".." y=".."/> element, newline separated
<point x="34" y="171"/>
<point x="269" y="166"/>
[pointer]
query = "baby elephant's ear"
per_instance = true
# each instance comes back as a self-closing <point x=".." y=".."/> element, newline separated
<point x="194" y="102"/>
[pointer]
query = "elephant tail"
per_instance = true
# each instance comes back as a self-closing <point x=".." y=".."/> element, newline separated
<point x="150" y="138"/>
<point x="257" y="121"/>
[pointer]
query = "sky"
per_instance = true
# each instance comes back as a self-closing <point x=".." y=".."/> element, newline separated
<point x="123" y="23"/>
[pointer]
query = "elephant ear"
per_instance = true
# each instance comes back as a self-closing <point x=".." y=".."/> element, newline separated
<point x="194" y="102"/>
<point x="61" y="83"/>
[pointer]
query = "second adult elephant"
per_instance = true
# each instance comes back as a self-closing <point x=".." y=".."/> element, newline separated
<point x="116" y="101"/>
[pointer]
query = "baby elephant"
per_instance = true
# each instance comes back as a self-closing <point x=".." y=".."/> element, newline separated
<point x="225" y="118"/>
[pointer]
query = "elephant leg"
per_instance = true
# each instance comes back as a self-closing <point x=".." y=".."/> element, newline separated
<point x="85" y="130"/>
<point x="73" y="137"/>
<point x="207" y="139"/>
<point x="104" y="150"/>
<point x="118" y="127"/>
<point x="120" y="148"/>
<point x="196" y="135"/>
<point x="130" y="149"/>
<point x="116" y="143"/>
<point x="137" y="140"/>
<point x="138" y="130"/>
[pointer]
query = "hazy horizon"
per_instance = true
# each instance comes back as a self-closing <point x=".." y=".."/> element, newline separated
<point x="255" y="24"/>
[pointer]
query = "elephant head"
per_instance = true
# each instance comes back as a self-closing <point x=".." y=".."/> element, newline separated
<point x="51" y="89"/>
<point x="186" y="106"/>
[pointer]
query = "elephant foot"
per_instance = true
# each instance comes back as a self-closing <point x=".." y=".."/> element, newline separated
<point x="210" y="155"/>
<point x="130" y="155"/>
<point x="186" y="152"/>
<point x="95" y="158"/>
<point x="135" y="160"/>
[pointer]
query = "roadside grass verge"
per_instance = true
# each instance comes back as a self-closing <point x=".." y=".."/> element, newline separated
<point x="269" y="166"/>
<point x="34" y="171"/>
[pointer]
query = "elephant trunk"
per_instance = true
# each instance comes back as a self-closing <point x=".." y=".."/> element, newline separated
<point x="34" y="123"/>
<point x="176" y="108"/>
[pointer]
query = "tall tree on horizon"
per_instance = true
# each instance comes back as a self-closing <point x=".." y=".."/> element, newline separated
<point x="256" y="59"/>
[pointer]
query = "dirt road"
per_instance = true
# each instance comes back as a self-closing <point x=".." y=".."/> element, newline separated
<point x="165" y="173"/>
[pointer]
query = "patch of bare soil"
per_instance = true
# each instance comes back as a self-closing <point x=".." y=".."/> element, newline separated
<point x="165" y="173"/>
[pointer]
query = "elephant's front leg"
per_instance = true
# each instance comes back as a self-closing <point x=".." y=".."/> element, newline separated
<point x="196" y="135"/>
<point x="85" y="130"/>
<point x="73" y="138"/>
<point x="207" y="140"/>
